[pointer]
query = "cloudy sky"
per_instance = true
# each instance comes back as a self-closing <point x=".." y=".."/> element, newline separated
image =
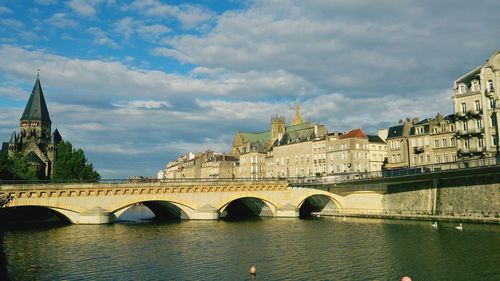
<point x="136" y="83"/>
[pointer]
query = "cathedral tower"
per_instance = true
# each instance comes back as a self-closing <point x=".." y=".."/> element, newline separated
<point x="297" y="119"/>
<point x="277" y="127"/>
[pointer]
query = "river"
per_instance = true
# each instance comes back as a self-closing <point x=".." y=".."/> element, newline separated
<point x="323" y="248"/>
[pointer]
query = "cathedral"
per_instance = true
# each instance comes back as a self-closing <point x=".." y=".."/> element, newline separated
<point x="242" y="141"/>
<point x="35" y="139"/>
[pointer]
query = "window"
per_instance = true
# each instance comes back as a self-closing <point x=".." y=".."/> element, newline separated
<point x="414" y="159"/>
<point x="357" y="146"/>
<point x="494" y="140"/>
<point x="453" y="142"/>
<point x="477" y="104"/>
<point x="438" y="159"/>
<point x="465" y="126"/>
<point x="480" y="142"/>
<point x="479" y="123"/>
<point x="492" y="103"/>
<point x="444" y="142"/>
<point x="445" y="158"/>
<point x="454" y="157"/>
<point x="466" y="144"/>
<point x="464" y="107"/>
<point x="436" y="143"/>
<point x="427" y="158"/>
<point x="493" y="121"/>
<point x="490" y="85"/>
<point x="462" y="89"/>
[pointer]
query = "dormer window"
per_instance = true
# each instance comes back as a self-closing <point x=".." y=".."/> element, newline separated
<point x="475" y="85"/>
<point x="461" y="89"/>
<point x="490" y="85"/>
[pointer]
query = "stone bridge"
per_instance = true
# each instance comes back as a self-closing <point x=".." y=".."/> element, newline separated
<point x="100" y="203"/>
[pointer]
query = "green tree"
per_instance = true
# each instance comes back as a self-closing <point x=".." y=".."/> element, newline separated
<point x="5" y="167"/>
<point x="22" y="168"/>
<point x="71" y="164"/>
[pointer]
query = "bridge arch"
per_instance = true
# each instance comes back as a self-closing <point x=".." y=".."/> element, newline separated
<point x="63" y="211"/>
<point x="162" y="208"/>
<point x="247" y="205"/>
<point x="318" y="201"/>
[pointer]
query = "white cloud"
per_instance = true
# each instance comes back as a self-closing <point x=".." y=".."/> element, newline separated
<point x="61" y="20"/>
<point x="101" y="38"/>
<point x="147" y="104"/>
<point x="46" y="2"/>
<point x="12" y="23"/>
<point x="5" y="10"/>
<point x="190" y="16"/>
<point x="87" y="8"/>
<point x="128" y="26"/>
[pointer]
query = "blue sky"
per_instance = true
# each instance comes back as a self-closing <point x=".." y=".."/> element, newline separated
<point x="137" y="83"/>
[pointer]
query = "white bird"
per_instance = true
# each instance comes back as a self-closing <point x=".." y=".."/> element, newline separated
<point x="344" y="219"/>
<point x="459" y="227"/>
<point x="434" y="224"/>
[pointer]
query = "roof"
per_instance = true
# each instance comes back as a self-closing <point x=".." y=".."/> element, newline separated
<point x="375" y="138"/>
<point x="395" y="131"/>
<point x="469" y="76"/>
<point x="56" y="137"/>
<point x="356" y="133"/>
<point x="36" y="109"/>
<point x="32" y="157"/>
<point x="13" y="137"/>
<point x="297" y="136"/>
<point x="265" y="137"/>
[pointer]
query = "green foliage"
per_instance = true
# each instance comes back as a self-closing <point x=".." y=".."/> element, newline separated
<point x="16" y="167"/>
<point x="71" y="164"/>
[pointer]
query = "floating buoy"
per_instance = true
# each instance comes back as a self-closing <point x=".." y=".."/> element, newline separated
<point x="405" y="278"/>
<point x="253" y="270"/>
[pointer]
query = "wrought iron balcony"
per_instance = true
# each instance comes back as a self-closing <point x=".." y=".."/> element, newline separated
<point x="460" y="115"/>
<point x="490" y="92"/>
<point x="470" y="151"/>
<point x="475" y="112"/>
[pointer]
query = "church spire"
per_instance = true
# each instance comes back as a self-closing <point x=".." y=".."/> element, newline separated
<point x="36" y="109"/>
<point x="297" y="119"/>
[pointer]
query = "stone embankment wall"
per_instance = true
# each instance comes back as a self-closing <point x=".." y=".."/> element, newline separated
<point x="458" y="196"/>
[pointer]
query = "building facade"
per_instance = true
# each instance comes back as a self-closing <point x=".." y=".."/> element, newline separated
<point x="475" y="96"/>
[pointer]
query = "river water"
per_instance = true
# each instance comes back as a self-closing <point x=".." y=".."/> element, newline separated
<point x="281" y="249"/>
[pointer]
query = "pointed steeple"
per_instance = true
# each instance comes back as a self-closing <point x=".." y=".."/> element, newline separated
<point x="56" y="137"/>
<point x="36" y="109"/>
<point x="297" y="119"/>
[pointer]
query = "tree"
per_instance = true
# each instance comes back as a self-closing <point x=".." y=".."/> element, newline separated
<point x="71" y="164"/>
<point x="16" y="167"/>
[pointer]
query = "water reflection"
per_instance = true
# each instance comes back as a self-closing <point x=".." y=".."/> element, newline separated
<point x="281" y="249"/>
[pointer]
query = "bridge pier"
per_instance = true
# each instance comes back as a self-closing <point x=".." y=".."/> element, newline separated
<point x="96" y="215"/>
<point x="287" y="211"/>
<point x="206" y="212"/>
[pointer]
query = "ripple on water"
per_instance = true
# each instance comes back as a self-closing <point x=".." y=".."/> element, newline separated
<point x="281" y="249"/>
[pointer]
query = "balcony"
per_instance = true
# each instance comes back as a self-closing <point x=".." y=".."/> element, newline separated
<point x="475" y="112"/>
<point x="469" y="132"/>
<point x="418" y="149"/>
<point x="470" y="151"/>
<point x="460" y="115"/>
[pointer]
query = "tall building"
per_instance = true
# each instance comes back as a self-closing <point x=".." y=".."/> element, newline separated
<point x="268" y="138"/>
<point x="35" y="139"/>
<point x="475" y="96"/>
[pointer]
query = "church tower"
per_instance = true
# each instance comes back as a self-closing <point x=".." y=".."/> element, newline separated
<point x="35" y="140"/>
<point x="277" y="127"/>
<point x="35" y="124"/>
<point x="297" y="119"/>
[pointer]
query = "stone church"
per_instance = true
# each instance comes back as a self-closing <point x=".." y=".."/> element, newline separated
<point x="35" y="139"/>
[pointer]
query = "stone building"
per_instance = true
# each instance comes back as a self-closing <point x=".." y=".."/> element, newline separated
<point x="252" y="164"/>
<point x="475" y="96"/>
<point x="292" y="154"/>
<point x="354" y="152"/>
<point x="35" y="139"/>
<point x="207" y="164"/>
<point x="268" y="138"/>
<point x="422" y="142"/>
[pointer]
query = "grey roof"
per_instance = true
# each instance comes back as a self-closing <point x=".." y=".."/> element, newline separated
<point x="395" y="131"/>
<point x="32" y="157"/>
<point x="13" y="138"/>
<point x="469" y="76"/>
<point x="5" y="148"/>
<point x="375" y="138"/>
<point x="36" y="109"/>
<point x="450" y="118"/>
<point x="56" y="137"/>
<point x="297" y="136"/>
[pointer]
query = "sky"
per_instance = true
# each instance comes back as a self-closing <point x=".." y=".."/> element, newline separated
<point x="137" y="83"/>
